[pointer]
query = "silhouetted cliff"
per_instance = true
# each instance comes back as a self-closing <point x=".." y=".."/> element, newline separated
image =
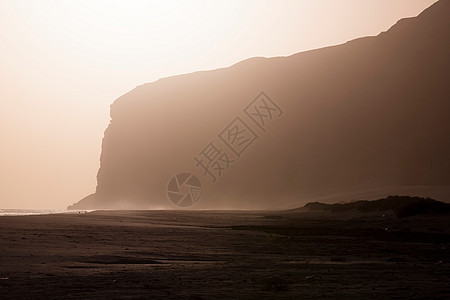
<point x="370" y="113"/>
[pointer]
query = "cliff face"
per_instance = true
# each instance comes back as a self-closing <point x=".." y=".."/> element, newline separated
<point x="371" y="113"/>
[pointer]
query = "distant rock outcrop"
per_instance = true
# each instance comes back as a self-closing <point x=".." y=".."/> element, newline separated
<point x="373" y="112"/>
<point x="83" y="203"/>
<point x="402" y="206"/>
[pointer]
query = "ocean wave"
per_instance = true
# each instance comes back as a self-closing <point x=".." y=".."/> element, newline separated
<point x="30" y="212"/>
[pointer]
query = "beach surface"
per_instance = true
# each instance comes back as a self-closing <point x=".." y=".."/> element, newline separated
<point x="223" y="255"/>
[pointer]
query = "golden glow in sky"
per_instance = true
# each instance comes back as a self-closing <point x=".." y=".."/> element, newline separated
<point x="62" y="63"/>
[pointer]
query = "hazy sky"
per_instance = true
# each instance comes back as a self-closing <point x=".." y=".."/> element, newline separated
<point x="62" y="63"/>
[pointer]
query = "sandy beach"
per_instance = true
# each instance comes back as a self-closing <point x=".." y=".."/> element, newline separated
<point x="211" y="255"/>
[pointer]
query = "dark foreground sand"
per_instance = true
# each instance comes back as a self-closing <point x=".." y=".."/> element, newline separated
<point x="211" y="255"/>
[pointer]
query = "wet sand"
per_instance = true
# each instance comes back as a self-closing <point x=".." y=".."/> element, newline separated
<point x="229" y="255"/>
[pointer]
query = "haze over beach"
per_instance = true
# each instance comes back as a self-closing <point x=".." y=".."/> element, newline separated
<point x="339" y="123"/>
<point x="225" y="150"/>
<point x="63" y="63"/>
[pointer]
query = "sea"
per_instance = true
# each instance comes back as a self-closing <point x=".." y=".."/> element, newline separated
<point x="30" y="212"/>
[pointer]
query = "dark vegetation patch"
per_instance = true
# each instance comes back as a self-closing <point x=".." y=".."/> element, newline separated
<point x="402" y="206"/>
